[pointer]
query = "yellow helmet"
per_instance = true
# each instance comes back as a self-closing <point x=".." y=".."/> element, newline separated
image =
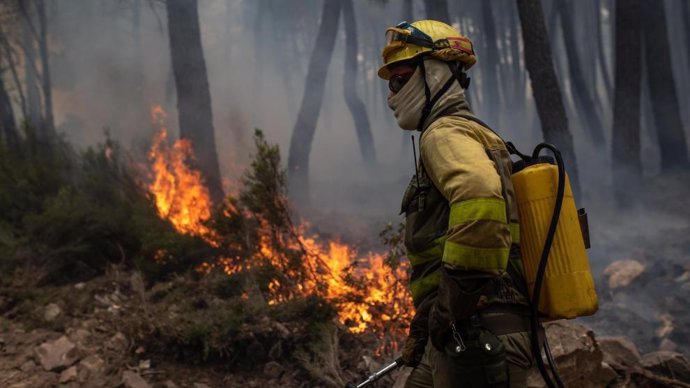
<point x="406" y="41"/>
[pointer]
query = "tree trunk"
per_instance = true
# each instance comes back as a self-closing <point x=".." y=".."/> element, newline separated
<point x="193" y="95"/>
<point x="519" y="82"/>
<point x="547" y="93"/>
<point x="354" y="103"/>
<point x="33" y="97"/>
<point x="625" y="140"/>
<point x="8" y="128"/>
<point x="581" y="93"/>
<point x="303" y="133"/>
<point x="45" y="68"/>
<point x="670" y="132"/>
<point x="13" y="69"/>
<point x="491" y="106"/>
<point x="603" y="63"/>
<point x="685" y="15"/>
<point x="437" y="10"/>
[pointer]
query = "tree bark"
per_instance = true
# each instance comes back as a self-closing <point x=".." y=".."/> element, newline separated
<point x="670" y="132"/>
<point x="193" y="95"/>
<point x="13" y="69"/>
<point x="8" y="128"/>
<point x="685" y="15"/>
<point x="437" y="10"/>
<point x="519" y="81"/>
<point x="33" y="98"/>
<point x="303" y="133"/>
<point x="625" y="140"/>
<point x="352" y="99"/>
<point x="492" y="104"/>
<point x="547" y="93"/>
<point x="581" y="93"/>
<point x="45" y="69"/>
<point x="603" y="63"/>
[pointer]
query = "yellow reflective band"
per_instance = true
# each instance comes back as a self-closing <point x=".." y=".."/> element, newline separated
<point x="433" y="253"/>
<point x="468" y="257"/>
<point x="489" y="209"/>
<point x="423" y="286"/>
<point x="515" y="232"/>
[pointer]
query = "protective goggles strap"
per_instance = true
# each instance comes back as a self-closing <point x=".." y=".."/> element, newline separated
<point x="431" y="102"/>
<point x="427" y="93"/>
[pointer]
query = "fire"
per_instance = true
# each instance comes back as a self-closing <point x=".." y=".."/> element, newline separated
<point x="180" y="194"/>
<point x="368" y="294"/>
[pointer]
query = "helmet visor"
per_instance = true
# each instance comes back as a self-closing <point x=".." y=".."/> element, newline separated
<point x="407" y="33"/>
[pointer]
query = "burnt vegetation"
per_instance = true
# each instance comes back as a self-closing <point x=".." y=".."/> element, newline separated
<point x="252" y="296"/>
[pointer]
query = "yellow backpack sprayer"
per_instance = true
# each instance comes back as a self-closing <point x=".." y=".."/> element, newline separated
<point x="553" y="232"/>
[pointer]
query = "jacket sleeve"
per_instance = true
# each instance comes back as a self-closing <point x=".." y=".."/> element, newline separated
<point x="478" y="238"/>
<point x="478" y="235"/>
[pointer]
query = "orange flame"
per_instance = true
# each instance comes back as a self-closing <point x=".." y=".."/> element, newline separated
<point x="180" y="194"/>
<point x="369" y="295"/>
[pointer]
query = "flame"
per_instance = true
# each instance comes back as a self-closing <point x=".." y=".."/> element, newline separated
<point x="179" y="192"/>
<point x="368" y="294"/>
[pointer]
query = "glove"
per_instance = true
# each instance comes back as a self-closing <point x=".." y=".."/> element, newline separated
<point x="458" y="297"/>
<point x="415" y="344"/>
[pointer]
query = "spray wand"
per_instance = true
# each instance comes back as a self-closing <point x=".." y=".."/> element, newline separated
<point x="378" y="375"/>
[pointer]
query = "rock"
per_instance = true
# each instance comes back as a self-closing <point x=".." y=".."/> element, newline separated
<point x="38" y="379"/>
<point x="78" y="336"/>
<point x="93" y="363"/>
<point x="200" y="385"/>
<point x="577" y="355"/>
<point x="69" y="374"/>
<point x="619" y="352"/>
<point x="80" y="286"/>
<point x="27" y="366"/>
<point x="133" y="380"/>
<point x="118" y="342"/>
<point x="622" y="272"/>
<point x="57" y="355"/>
<point x="169" y="384"/>
<point x="669" y="364"/>
<point x="273" y="370"/>
<point x="52" y="311"/>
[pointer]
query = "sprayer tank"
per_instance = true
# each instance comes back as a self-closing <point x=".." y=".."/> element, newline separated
<point x="568" y="287"/>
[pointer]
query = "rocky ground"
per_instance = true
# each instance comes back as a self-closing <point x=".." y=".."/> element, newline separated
<point x="84" y="334"/>
<point x="62" y="343"/>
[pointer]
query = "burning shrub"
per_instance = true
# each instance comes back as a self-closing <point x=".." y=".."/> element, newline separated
<point x="73" y="213"/>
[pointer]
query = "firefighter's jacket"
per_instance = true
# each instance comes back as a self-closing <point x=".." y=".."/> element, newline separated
<point x="462" y="231"/>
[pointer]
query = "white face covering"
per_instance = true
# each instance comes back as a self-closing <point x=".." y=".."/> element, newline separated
<point x="408" y="103"/>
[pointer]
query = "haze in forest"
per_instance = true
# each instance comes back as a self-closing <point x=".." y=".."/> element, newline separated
<point x="110" y="63"/>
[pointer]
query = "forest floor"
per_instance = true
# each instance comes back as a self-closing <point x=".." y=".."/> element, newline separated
<point x="92" y="334"/>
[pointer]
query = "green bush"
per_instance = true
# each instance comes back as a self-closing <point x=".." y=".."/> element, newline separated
<point x="75" y="212"/>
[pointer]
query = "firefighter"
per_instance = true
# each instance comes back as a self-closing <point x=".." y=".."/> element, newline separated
<point x="461" y="220"/>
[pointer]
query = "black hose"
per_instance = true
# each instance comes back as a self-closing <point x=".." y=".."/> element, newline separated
<point x="534" y="321"/>
<point x="552" y="364"/>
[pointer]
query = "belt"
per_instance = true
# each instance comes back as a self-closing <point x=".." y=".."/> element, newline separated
<point x="504" y="323"/>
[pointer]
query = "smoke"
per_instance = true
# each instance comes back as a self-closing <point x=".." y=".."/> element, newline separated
<point x="111" y="63"/>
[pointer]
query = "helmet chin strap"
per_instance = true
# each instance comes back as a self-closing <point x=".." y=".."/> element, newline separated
<point x="456" y="74"/>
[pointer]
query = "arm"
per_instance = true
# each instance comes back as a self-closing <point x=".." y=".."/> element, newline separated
<point x="478" y="242"/>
